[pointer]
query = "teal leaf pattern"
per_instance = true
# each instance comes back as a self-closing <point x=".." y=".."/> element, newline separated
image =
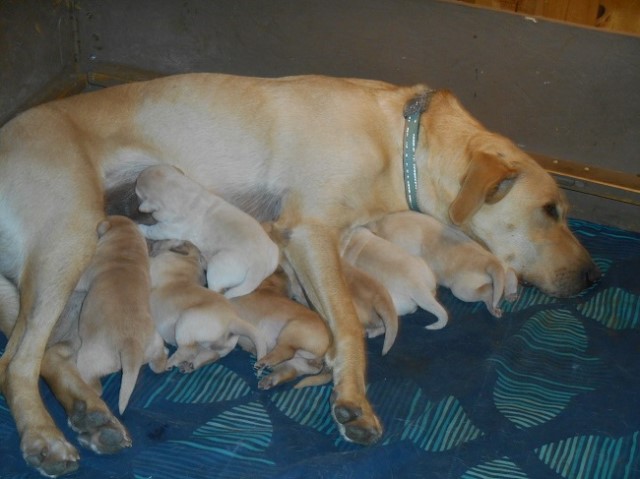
<point x="213" y="383"/>
<point x="242" y="429"/>
<point x="593" y="457"/>
<point x="603" y="263"/>
<point x="233" y="444"/>
<point x="497" y="469"/>
<point x="615" y="308"/>
<point x="528" y="297"/>
<point x="438" y="426"/>
<point x="307" y="406"/>
<point x="542" y="367"/>
<point x="173" y="460"/>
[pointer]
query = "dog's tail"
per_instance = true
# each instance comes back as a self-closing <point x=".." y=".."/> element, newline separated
<point x="131" y="359"/>
<point x="241" y="327"/>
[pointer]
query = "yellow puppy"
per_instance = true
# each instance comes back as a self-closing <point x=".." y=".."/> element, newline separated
<point x="199" y="321"/>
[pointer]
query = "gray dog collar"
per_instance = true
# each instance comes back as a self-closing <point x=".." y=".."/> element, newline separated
<point x="412" y="112"/>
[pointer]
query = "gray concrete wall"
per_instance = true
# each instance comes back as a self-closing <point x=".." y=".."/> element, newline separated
<point x="564" y="91"/>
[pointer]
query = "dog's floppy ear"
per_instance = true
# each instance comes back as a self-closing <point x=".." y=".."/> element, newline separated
<point x="487" y="180"/>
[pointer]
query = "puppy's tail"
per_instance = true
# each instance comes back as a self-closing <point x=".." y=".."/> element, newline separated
<point x="242" y="327"/>
<point x="384" y="308"/>
<point x="131" y="359"/>
<point x="497" y="274"/>
<point x="511" y="285"/>
<point x="434" y="307"/>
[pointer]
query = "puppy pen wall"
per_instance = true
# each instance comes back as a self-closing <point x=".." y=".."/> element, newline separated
<point x="569" y="95"/>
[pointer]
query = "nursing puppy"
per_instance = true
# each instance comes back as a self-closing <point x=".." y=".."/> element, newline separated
<point x="297" y="337"/>
<point x="408" y="279"/>
<point x="459" y="263"/>
<point x="115" y="325"/>
<point x="200" y="322"/>
<point x="316" y="154"/>
<point x="373" y="303"/>
<point x="239" y="253"/>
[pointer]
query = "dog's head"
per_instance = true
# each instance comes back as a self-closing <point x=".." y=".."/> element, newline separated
<point x="501" y="197"/>
<point x="511" y="204"/>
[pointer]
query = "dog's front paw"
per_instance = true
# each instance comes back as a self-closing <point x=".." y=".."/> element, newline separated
<point x="356" y="423"/>
<point x="98" y="429"/>
<point x="48" y="451"/>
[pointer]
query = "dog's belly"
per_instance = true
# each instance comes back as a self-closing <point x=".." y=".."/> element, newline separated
<point x="252" y="195"/>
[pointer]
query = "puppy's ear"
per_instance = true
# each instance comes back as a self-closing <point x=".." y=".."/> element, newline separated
<point x="181" y="248"/>
<point x="103" y="227"/>
<point x="487" y="180"/>
<point x="280" y="236"/>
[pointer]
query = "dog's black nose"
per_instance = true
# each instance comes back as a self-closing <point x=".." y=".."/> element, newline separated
<point x="592" y="274"/>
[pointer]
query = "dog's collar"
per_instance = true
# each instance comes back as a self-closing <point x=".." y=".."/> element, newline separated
<point x="412" y="112"/>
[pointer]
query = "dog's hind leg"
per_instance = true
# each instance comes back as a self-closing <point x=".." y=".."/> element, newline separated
<point x="313" y="253"/>
<point x="42" y="298"/>
<point x="97" y="428"/>
<point x="52" y="239"/>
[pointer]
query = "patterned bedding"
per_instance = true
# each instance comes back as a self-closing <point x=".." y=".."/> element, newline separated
<point x="550" y="390"/>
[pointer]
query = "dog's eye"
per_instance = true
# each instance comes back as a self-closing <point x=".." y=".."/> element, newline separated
<point x="551" y="210"/>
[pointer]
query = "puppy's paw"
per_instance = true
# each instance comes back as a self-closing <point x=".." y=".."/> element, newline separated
<point x="267" y="382"/>
<point x="357" y="423"/>
<point x="47" y="450"/>
<point x="186" y="367"/>
<point x="98" y="429"/>
<point x="512" y="297"/>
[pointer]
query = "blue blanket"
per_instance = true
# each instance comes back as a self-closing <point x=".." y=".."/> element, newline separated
<point x="550" y="390"/>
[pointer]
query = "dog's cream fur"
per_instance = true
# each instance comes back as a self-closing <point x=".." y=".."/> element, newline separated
<point x="319" y="154"/>
<point x="238" y="251"/>
<point x="408" y="279"/>
<point x="200" y="322"/>
<point x="459" y="263"/>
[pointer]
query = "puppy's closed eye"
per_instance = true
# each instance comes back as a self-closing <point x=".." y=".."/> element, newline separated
<point x="551" y="211"/>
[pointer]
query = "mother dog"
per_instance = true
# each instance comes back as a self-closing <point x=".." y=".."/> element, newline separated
<point x="318" y="154"/>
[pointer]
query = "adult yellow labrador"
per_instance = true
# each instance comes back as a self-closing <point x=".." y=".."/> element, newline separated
<point x="318" y="154"/>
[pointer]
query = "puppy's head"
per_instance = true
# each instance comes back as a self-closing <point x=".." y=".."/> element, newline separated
<point x="177" y="246"/>
<point x="513" y="206"/>
<point x="153" y="183"/>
